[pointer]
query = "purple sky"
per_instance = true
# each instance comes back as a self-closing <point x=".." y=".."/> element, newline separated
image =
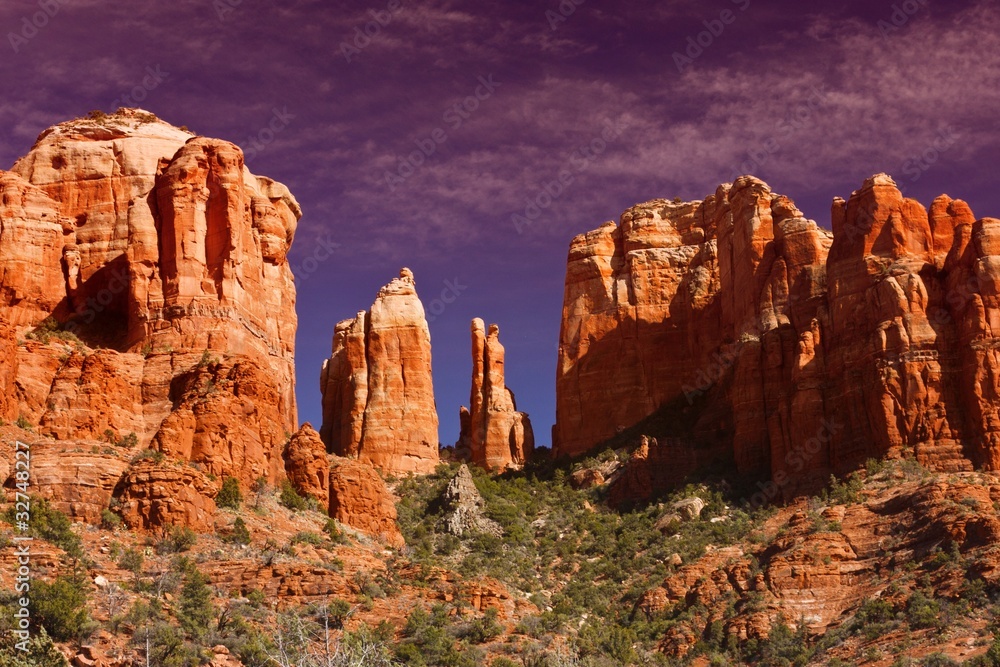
<point x="811" y="96"/>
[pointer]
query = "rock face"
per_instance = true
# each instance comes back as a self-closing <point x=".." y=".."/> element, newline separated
<point x="8" y="372"/>
<point x="378" y="394"/>
<point x="359" y="498"/>
<point x="155" y="496"/>
<point x="33" y="235"/>
<point x="798" y="353"/>
<point x="226" y="420"/>
<point x="464" y="507"/>
<point x="77" y="483"/>
<point x="160" y="263"/>
<point x="496" y="435"/>
<point x="307" y="464"/>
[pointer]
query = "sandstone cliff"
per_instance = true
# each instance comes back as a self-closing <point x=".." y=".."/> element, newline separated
<point x="495" y="435"/>
<point x="144" y="271"/>
<point x="378" y="394"/>
<point x="771" y="341"/>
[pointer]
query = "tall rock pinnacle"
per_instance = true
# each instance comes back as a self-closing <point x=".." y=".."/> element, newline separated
<point x="496" y="434"/>
<point x="378" y="393"/>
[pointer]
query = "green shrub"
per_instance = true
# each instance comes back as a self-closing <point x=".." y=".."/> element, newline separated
<point x="847" y="492"/>
<point x="167" y="647"/>
<point x="874" y="616"/>
<point x="154" y="455"/>
<point x="50" y="524"/>
<point x="50" y="328"/>
<point x="23" y="423"/>
<point x="291" y="499"/>
<point x="308" y="537"/>
<point x="129" y="441"/>
<point x="923" y="611"/>
<point x="230" y="495"/>
<point x="110" y="520"/>
<point x="486" y="628"/>
<point x="42" y="652"/>
<point x="992" y="656"/>
<point x="133" y="561"/>
<point x="337" y="536"/>
<point x="176" y="540"/>
<point x="61" y="607"/>
<point x="240" y="533"/>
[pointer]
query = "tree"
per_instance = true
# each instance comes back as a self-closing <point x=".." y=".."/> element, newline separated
<point x="61" y="607"/>
<point x="230" y="495"/>
<point x="133" y="560"/>
<point x="196" y="611"/>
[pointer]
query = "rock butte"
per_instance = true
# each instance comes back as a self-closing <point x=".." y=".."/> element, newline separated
<point x="493" y="433"/>
<point x="167" y="258"/>
<point x="378" y="394"/>
<point x="741" y="330"/>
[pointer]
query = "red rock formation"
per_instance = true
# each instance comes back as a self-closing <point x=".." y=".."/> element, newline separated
<point x="8" y="372"/>
<point x="307" y="464"/>
<point x="640" y="318"/>
<point x="33" y="278"/>
<point x="93" y="392"/>
<point x="497" y="436"/>
<point x="216" y="276"/>
<point x="378" y="395"/>
<point x="77" y="481"/>
<point x="155" y="496"/>
<point x="225" y="419"/>
<point x="96" y="204"/>
<point x="165" y="252"/>
<point x="801" y="353"/>
<point x="359" y="499"/>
